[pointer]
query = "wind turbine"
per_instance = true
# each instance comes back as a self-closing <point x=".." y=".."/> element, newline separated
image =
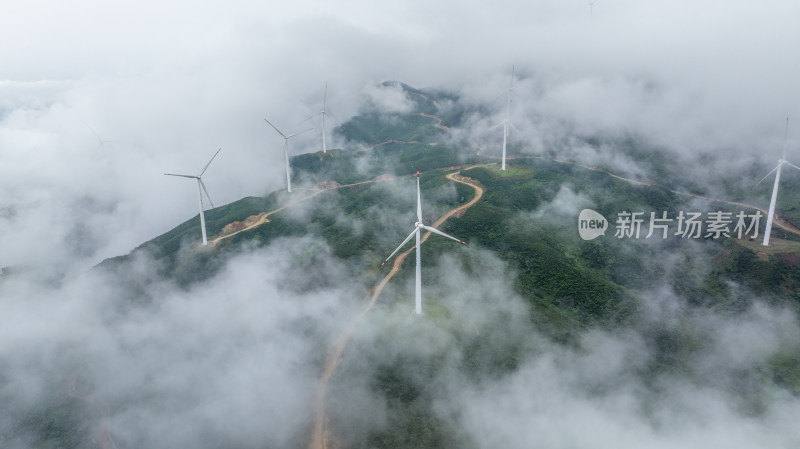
<point x="322" y="113"/>
<point x="507" y="121"/>
<point x="418" y="228"/>
<point x="591" y="7"/>
<point x="201" y="188"/>
<point x="100" y="139"/>
<point x="286" y="152"/>
<point x="781" y="162"/>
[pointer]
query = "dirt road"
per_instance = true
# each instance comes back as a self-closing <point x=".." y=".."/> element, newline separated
<point x="319" y="434"/>
<point x="260" y="219"/>
<point x="777" y="221"/>
<point x="102" y="435"/>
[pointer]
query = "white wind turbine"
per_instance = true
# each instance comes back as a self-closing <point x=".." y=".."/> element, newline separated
<point x="418" y="228"/>
<point x="100" y="139"/>
<point x="286" y="152"/>
<point x="322" y="113"/>
<point x="201" y="188"/>
<point x="591" y="7"/>
<point x="507" y="121"/>
<point x="781" y="162"/>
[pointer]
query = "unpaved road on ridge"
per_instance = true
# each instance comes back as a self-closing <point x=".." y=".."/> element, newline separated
<point x="102" y="434"/>
<point x="319" y="434"/>
<point x="783" y="224"/>
<point x="264" y="218"/>
<point x="777" y="221"/>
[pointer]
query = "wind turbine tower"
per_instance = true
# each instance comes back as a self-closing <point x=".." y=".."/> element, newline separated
<point x="322" y="113"/>
<point x="781" y="162"/>
<point x="286" y="152"/>
<point x="201" y="188"/>
<point x="418" y="228"/>
<point x="507" y="121"/>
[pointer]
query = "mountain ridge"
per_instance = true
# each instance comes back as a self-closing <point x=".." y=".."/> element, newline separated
<point x="526" y="219"/>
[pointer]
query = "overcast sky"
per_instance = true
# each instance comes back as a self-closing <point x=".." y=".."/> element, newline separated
<point x="166" y="84"/>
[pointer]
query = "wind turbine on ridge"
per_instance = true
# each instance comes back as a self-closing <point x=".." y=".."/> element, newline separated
<point x="781" y="162"/>
<point x="322" y="113"/>
<point x="286" y="152"/>
<point x="201" y="187"/>
<point x="418" y="228"/>
<point x="100" y="139"/>
<point x="507" y="121"/>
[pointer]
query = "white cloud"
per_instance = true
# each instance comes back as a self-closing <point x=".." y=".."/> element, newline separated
<point x="235" y="357"/>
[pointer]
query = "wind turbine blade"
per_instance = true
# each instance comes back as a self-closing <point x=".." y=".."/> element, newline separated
<point x="94" y="132"/>
<point x="182" y="176"/>
<point x="436" y="231"/>
<point x="792" y="165"/>
<point x="203" y="185"/>
<point x="767" y="176"/>
<point x="301" y="132"/>
<point x="410" y="236"/>
<point x="325" y="97"/>
<point x="514" y="129"/>
<point x="419" y="201"/>
<point x="497" y="125"/>
<point x="209" y="163"/>
<point x="276" y="129"/>
<point x="785" y="138"/>
<point x="310" y="117"/>
<point x="503" y="94"/>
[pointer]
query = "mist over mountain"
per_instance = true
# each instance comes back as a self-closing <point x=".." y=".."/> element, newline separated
<point x="119" y="330"/>
<point x="531" y="336"/>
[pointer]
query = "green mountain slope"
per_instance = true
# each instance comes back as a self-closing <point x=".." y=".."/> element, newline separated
<point x="569" y="285"/>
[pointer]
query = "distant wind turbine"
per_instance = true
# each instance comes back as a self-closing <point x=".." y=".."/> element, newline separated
<point x="100" y="139"/>
<point x="286" y="152"/>
<point x="201" y="188"/>
<point x="591" y="7"/>
<point x="418" y="228"/>
<point x="322" y="113"/>
<point x="781" y="162"/>
<point x="507" y="121"/>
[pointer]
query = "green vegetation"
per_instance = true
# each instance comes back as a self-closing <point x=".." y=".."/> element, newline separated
<point x="377" y="128"/>
<point x="510" y="172"/>
<point x="62" y="422"/>
<point x="776" y="278"/>
<point x="785" y="369"/>
<point x="570" y="285"/>
<point x="559" y="286"/>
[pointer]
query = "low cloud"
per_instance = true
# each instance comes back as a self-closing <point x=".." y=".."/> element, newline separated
<point x="235" y="358"/>
<point x="596" y="395"/>
<point x="388" y="99"/>
<point x="611" y="388"/>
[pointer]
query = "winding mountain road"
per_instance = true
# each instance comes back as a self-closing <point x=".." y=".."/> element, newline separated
<point x="260" y="219"/>
<point x="102" y="434"/>
<point x="777" y="221"/>
<point x="320" y="435"/>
